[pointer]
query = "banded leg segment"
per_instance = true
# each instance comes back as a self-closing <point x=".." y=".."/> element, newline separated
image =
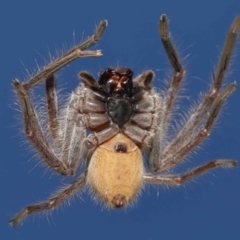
<point x="187" y="139"/>
<point x="178" y="180"/>
<point x="175" y="155"/>
<point x="35" y="133"/>
<point x="170" y="97"/>
<point x="226" y="54"/>
<point x="196" y="118"/>
<point x="52" y="108"/>
<point x="62" y="138"/>
<point x="76" y="52"/>
<point x="52" y="203"/>
<point x="179" y="72"/>
<point x="73" y="135"/>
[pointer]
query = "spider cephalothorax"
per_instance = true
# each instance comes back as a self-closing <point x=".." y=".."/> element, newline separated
<point x="126" y="118"/>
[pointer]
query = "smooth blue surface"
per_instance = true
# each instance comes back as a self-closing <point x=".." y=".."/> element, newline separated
<point x="206" y="208"/>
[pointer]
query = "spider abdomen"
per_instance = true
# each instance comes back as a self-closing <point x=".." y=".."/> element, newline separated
<point x="115" y="171"/>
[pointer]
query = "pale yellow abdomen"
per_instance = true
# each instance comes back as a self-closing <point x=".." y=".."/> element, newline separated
<point x="115" y="171"/>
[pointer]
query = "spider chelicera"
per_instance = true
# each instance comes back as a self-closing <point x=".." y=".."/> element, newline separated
<point x="126" y="118"/>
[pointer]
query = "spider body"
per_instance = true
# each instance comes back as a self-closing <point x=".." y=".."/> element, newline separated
<point x="126" y="118"/>
<point x="121" y="111"/>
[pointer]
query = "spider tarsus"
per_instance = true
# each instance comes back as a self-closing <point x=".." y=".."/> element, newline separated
<point x="13" y="223"/>
<point x="236" y="24"/>
<point x="100" y="29"/>
<point x="18" y="218"/>
<point x="163" y="26"/>
<point x="226" y="54"/>
<point x="228" y="91"/>
<point x="163" y="18"/>
<point x="228" y="163"/>
<point x="98" y="53"/>
<point x="104" y="23"/>
<point x="15" y="82"/>
<point x="168" y="44"/>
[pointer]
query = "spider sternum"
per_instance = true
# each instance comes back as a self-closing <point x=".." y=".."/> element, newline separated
<point x="120" y="109"/>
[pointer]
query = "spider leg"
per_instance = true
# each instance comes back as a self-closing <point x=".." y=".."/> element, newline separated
<point x="72" y="140"/>
<point x="178" y="180"/>
<point x="166" y="105"/>
<point x="196" y="118"/>
<point x="51" y="203"/>
<point x="69" y="139"/>
<point x="169" y="159"/>
<point x="73" y="137"/>
<point x="204" y="132"/>
<point x="179" y="72"/>
<point x="71" y="55"/>
<point x="226" y="54"/>
<point x="184" y="142"/>
<point x="34" y="131"/>
<point x="52" y="108"/>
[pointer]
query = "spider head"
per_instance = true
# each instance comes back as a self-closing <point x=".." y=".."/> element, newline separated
<point x="117" y="82"/>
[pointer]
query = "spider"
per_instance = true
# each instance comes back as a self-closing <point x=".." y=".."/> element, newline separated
<point x="126" y="118"/>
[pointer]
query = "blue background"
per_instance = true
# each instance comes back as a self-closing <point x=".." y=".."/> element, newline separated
<point x="205" y="208"/>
